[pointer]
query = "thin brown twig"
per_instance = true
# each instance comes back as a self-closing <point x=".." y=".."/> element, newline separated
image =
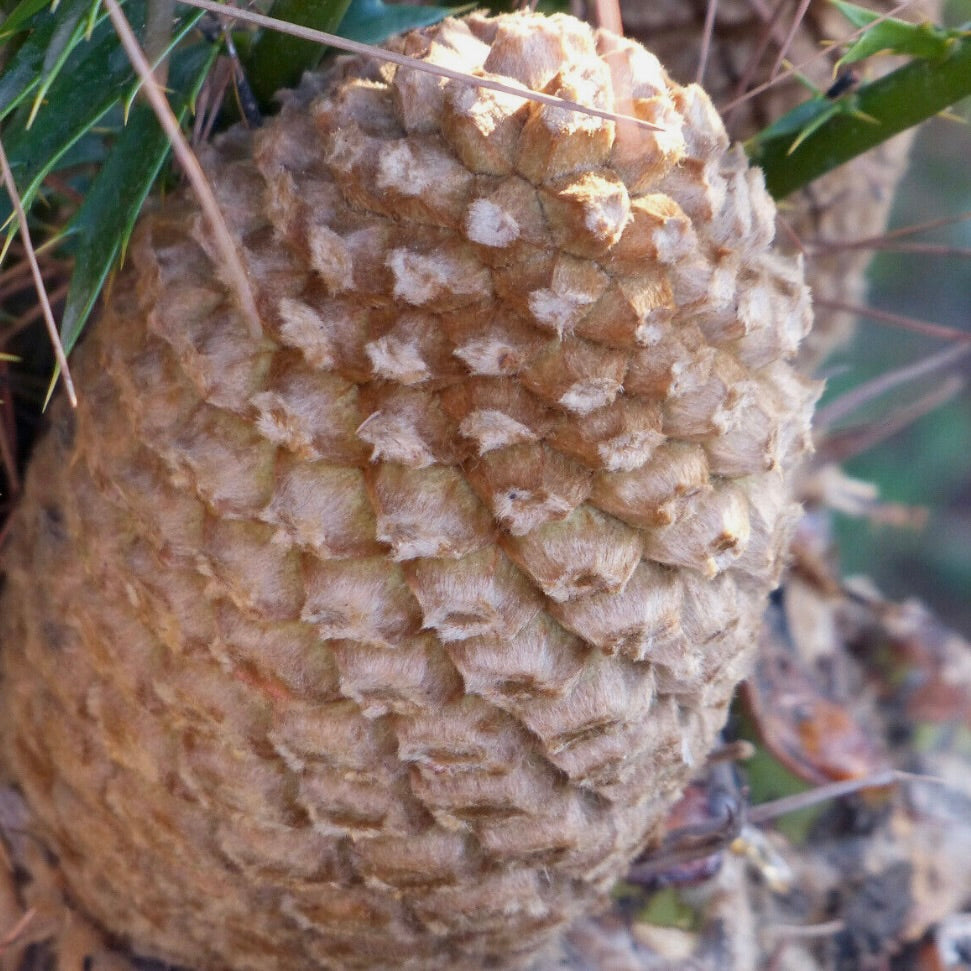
<point x="14" y="287"/>
<point x="790" y="37"/>
<point x="366" y="50"/>
<point x="5" y="522"/>
<point x="887" y="240"/>
<point x="923" y="227"/>
<point x="897" y="320"/>
<point x="863" y="394"/>
<point x="17" y="276"/>
<point x="11" y="936"/>
<point x="7" y="449"/>
<point x="209" y="101"/>
<point x="27" y="318"/>
<point x="707" y="32"/>
<point x="806" y="931"/>
<point x="190" y="164"/>
<point x="61" y="185"/>
<point x="845" y="444"/>
<point x="39" y="286"/>
<point x="766" y="811"/>
<point x="748" y="72"/>
<point x="793" y="236"/>
<point x="920" y="249"/>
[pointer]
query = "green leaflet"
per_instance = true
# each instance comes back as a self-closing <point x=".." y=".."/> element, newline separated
<point x="92" y="80"/>
<point x="278" y="60"/>
<point x="374" y="21"/>
<point x="102" y="226"/>
<point x="90" y="86"/>
<point x="806" y="119"/>
<point x="87" y="78"/>
<point x="71" y="27"/>
<point x="894" y="36"/>
<point x="18" y="17"/>
<point x="43" y="53"/>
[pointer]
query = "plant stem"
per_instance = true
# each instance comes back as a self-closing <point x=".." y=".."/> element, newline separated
<point x="912" y="94"/>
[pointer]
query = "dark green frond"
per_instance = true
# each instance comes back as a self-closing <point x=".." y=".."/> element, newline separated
<point x="278" y="60"/>
<point x="102" y="226"/>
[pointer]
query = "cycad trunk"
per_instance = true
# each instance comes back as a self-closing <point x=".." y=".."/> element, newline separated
<point x="385" y="639"/>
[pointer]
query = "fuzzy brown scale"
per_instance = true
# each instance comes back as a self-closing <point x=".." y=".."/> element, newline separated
<point x="385" y="640"/>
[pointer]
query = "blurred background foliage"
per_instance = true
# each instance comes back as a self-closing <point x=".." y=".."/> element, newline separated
<point x="928" y="464"/>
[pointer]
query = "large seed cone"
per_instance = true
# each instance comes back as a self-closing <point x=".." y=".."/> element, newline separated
<point x="385" y="638"/>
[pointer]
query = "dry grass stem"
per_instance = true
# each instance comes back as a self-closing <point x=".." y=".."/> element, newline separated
<point x="11" y="936"/>
<point x="806" y="931"/>
<point x="745" y="78"/>
<point x="887" y="240"/>
<point x="834" y="790"/>
<point x="919" y="228"/>
<point x="920" y="249"/>
<point x="28" y="317"/>
<point x="607" y="15"/>
<point x="706" y="35"/>
<point x="789" y="38"/>
<point x="31" y="256"/>
<point x="7" y="450"/>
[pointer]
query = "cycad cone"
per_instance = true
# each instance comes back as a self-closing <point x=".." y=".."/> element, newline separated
<point x="384" y="639"/>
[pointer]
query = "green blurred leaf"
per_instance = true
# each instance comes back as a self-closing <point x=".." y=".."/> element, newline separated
<point x="808" y="118"/>
<point x="18" y="17"/>
<point x="102" y="226"/>
<point x="95" y="77"/>
<point x="278" y="60"/>
<point x="70" y="30"/>
<point x="25" y="72"/>
<point x="373" y="21"/>
<point x="669" y="908"/>
<point x="91" y="87"/>
<point x="894" y="36"/>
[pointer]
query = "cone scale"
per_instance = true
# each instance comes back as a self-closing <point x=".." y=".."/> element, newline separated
<point x="385" y="638"/>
